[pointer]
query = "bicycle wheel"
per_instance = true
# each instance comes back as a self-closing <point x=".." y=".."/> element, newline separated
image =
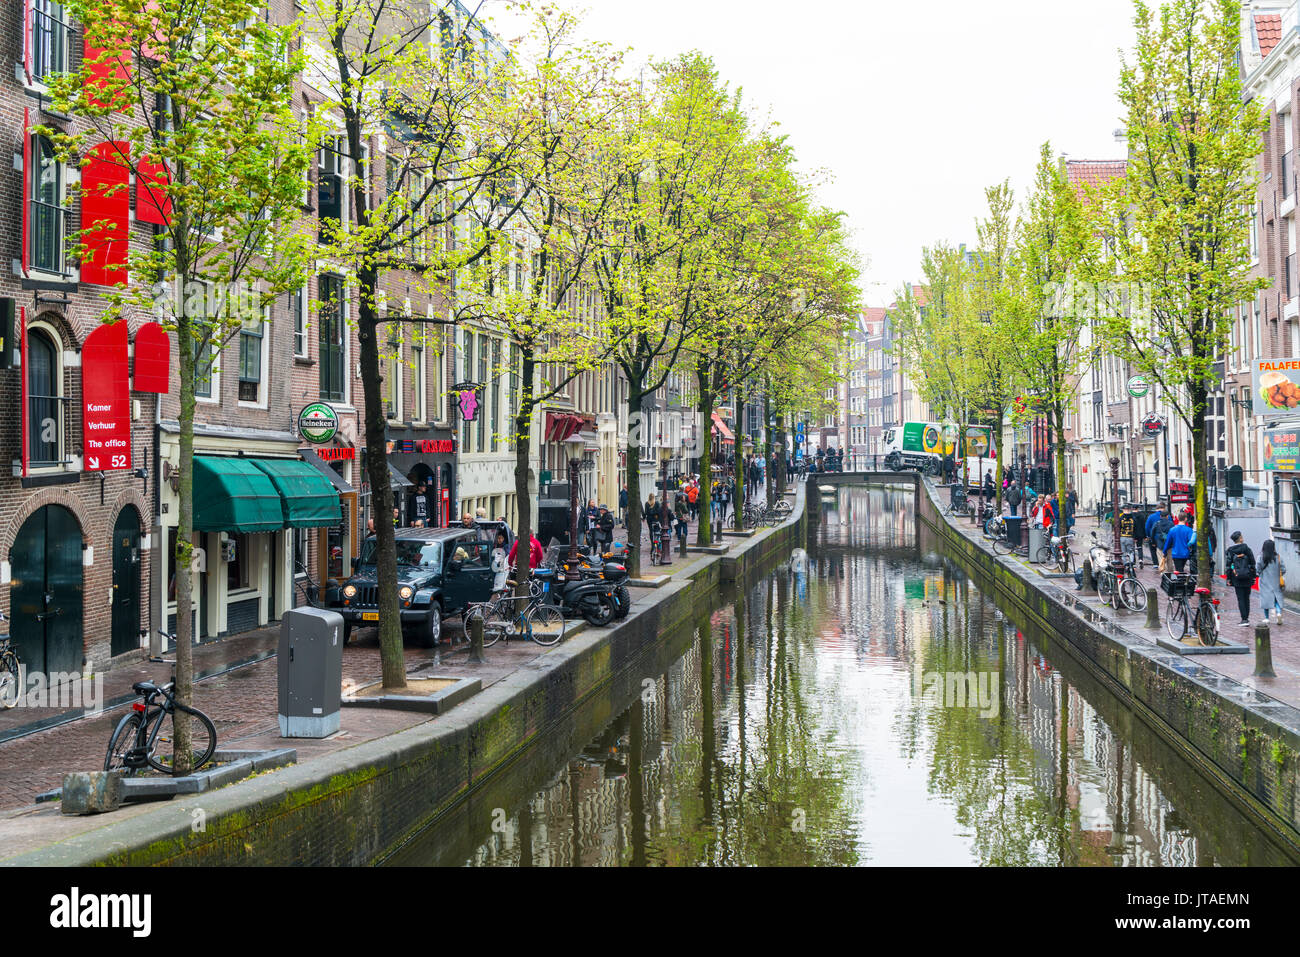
<point x="545" y="624"/>
<point x="1002" y="547"/>
<point x="1044" y="555"/>
<point x="1176" y="619"/>
<point x="122" y="741"/>
<point x="489" y="615"/>
<point x="1205" y="625"/>
<point x="1132" y="594"/>
<point x="11" y="684"/>
<point x="1104" y="586"/>
<point x="203" y="740"/>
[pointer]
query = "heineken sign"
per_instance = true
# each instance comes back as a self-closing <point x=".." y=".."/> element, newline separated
<point x="318" y="422"/>
<point x="1137" y="387"/>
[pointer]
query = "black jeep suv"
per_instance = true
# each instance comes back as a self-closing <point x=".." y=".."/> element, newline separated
<point x="439" y="572"/>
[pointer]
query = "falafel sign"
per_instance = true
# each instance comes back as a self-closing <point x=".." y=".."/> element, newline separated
<point x="1275" y="385"/>
<point x="1281" y="449"/>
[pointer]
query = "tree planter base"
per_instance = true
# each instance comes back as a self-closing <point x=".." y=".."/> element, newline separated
<point x="449" y="693"/>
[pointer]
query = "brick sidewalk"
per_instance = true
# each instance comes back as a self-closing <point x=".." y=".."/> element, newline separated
<point x="1285" y="639"/>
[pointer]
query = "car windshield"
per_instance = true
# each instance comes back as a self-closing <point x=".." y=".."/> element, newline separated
<point x="410" y="551"/>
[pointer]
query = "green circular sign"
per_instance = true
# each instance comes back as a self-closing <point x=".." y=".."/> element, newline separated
<point x="318" y="422"/>
<point x="1137" y="386"/>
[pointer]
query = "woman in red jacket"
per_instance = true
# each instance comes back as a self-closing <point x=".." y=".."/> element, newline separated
<point x="535" y="553"/>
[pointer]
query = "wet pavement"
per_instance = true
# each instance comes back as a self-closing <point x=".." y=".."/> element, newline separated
<point x="1284" y="638"/>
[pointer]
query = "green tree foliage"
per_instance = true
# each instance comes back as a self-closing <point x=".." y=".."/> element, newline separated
<point x="202" y="91"/>
<point x="1177" y="224"/>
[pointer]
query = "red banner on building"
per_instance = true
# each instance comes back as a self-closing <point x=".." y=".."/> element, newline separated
<point x="106" y="400"/>
<point x="153" y="359"/>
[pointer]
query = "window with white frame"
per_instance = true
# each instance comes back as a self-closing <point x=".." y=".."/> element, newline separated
<point x="298" y="313"/>
<point x="46" y="403"/>
<point x="48" y="37"/>
<point x="48" y="218"/>
<point x="253" y="356"/>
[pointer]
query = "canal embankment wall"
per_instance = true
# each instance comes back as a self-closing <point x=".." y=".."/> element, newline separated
<point x="1245" y="742"/>
<point x="361" y="805"/>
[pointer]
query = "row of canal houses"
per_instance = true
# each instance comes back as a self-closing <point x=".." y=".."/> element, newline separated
<point x="89" y="508"/>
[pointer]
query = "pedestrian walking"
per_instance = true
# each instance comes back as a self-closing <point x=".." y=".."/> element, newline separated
<point x="1241" y="573"/>
<point x="622" y="506"/>
<point x="1271" y="572"/>
<point x="1178" y="546"/>
<point x="683" y="517"/>
<point x="604" y="529"/>
<point x="1164" y="525"/>
<point x="500" y="564"/>
<point x="693" y="498"/>
<point x="1012" y="498"/>
<point x="1128" y="535"/>
<point x="1149" y="528"/>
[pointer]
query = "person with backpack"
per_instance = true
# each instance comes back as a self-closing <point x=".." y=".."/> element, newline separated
<point x="1150" y="529"/>
<point x="1164" y="525"/>
<point x="1127" y="535"/>
<point x="1241" y="573"/>
<point x="1271" y="570"/>
<point x="1177" y="546"/>
<point x="1012" y="498"/>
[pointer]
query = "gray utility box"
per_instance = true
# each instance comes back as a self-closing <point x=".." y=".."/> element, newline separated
<point x="1037" y="539"/>
<point x="311" y="672"/>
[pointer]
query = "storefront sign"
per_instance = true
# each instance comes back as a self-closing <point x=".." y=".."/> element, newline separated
<point x="424" y="446"/>
<point x="106" y="399"/>
<point x="1137" y="386"/>
<point x="318" y="423"/>
<point x="1275" y="386"/>
<point x="1282" y="449"/>
<point x="1180" y="492"/>
<point x="467" y="400"/>
<point x="337" y="455"/>
<point x="1152" y="425"/>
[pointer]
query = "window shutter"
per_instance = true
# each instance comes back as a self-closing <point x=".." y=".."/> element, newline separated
<point x="152" y="202"/>
<point x="24" y="413"/>
<point x="112" y="69"/>
<point x="27" y="193"/>
<point x="105" y="214"/>
<point x="152" y="359"/>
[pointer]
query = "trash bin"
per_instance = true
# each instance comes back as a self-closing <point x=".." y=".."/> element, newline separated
<point x="1012" y="523"/>
<point x="310" y="672"/>
<point x="1037" y="539"/>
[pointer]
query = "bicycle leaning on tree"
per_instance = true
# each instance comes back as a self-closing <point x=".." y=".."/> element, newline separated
<point x="145" y="737"/>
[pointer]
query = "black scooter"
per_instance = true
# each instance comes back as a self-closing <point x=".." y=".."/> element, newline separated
<point x="590" y="597"/>
<point x="610" y="569"/>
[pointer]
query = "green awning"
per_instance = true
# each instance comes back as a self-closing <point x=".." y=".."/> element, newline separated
<point x="234" y="495"/>
<point x="309" y="499"/>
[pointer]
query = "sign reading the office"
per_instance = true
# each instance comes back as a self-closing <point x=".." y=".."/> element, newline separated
<point x="318" y="423"/>
<point x="1281" y="449"/>
<point x="106" y="400"/>
<point x="1138" y="387"/>
<point x="1275" y="386"/>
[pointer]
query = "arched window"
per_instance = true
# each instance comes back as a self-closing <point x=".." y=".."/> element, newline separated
<point x="44" y="400"/>
<point x="48" y="216"/>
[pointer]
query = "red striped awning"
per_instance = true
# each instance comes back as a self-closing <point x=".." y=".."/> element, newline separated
<point x="721" y="428"/>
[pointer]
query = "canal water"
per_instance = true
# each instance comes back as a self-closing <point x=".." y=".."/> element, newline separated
<point x="864" y="703"/>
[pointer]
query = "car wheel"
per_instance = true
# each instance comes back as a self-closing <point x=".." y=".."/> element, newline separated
<point x="433" y="628"/>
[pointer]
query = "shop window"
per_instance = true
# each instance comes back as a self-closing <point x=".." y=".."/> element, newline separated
<point x="237" y="567"/>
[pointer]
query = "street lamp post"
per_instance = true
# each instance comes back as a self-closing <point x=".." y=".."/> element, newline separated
<point x="575" y="445"/>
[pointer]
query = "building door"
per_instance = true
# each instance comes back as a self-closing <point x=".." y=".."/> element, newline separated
<point x="45" y="591"/>
<point x="126" y="582"/>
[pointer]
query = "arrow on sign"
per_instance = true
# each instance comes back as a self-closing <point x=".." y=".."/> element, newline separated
<point x="92" y="463"/>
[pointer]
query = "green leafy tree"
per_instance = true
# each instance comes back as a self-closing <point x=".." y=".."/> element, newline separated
<point x="194" y="99"/>
<point x="1177" y="223"/>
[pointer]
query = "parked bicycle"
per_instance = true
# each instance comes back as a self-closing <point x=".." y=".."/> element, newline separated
<point x="1058" y="552"/>
<point x="145" y="737"/>
<point x="11" y="673"/>
<point x="1180" y="618"/>
<point x="517" y="616"/>
<point x="1117" y="582"/>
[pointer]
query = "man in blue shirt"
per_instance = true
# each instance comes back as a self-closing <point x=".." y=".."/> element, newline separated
<point x="1177" y="545"/>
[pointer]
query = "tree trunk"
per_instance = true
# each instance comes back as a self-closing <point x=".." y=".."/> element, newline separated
<point x="182" y="752"/>
<point x="704" y="531"/>
<point x="635" y="423"/>
<point x="738" y="456"/>
<point x="1204" y="571"/>
<point x="769" y="452"/>
<point x="778" y="472"/>
<point x="392" y="660"/>
<point x="523" y="456"/>
<point x="1058" y="427"/>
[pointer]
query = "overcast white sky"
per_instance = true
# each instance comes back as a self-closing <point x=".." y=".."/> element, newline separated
<point x="913" y="107"/>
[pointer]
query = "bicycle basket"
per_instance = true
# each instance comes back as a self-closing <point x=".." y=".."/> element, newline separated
<point x="1177" y="586"/>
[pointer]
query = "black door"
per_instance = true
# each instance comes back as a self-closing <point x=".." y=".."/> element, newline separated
<point x="126" y="582"/>
<point x="45" y="591"/>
